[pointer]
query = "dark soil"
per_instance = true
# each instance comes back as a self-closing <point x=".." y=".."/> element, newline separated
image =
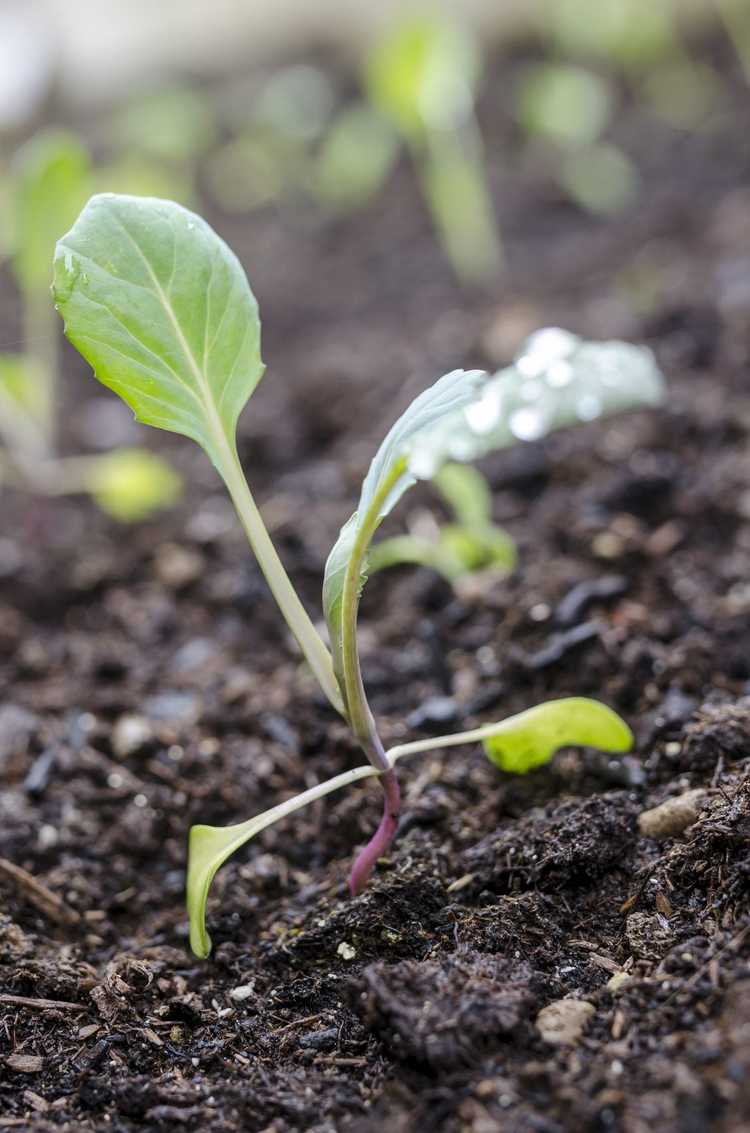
<point x="415" y="1005"/>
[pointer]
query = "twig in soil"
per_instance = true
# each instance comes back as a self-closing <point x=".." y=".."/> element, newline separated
<point x="39" y="895"/>
<point x="41" y="1004"/>
<point x="295" y="1023"/>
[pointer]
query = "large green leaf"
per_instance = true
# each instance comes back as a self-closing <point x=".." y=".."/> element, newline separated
<point x="557" y="379"/>
<point x="51" y="183"/>
<point x="161" y="308"/>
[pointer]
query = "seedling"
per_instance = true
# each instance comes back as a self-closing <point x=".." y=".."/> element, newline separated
<point x="161" y="309"/>
<point x="52" y="179"/>
<point x="422" y="77"/>
<point x="470" y="544"/>
<point x="566" y="109"/>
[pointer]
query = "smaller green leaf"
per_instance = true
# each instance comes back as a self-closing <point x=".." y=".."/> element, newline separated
<point x="531" y="738"/>
<point x="210" y="846"/>
<point x="173" y="124"/>
<point x="466" y="492"/>
<point x="479" y="547"/>
<point x="414" y="550"/>
<point x="600" y="178"/>
<point x="568" y="104"/>
<point x="19" y="379"/>
<point x="357" y="154"/>
<point x="131" y="484"/>
<point x="51" y="174"/>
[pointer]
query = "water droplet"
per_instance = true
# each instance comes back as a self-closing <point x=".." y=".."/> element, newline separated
<point x="462" y="447"/>
<point x="588" y="406"/>
<point x="422" y="464"/>
<point x="190" y="226"/>
<point x="482" y="415"/>
<point x="559" y="374"/>
<point x="531" y="390"/>
<point x="529" y="366"/>
<point x="527" y="424"/>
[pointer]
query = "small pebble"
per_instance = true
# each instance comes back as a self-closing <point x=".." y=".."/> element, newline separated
<point x="177" y="567"/>
<point x="130" y="735"/>
<point x="563" y="1022"/>
<point x="241" y="993"/>
<point x="671" y="817"/>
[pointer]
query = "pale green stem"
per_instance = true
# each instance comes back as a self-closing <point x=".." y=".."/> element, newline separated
<point x="737" y="21"/>
<point x="454" y="182"/>
<point x="476" y="735"/>
<point x="360" y="716"/>
<point x="297" y="618"/>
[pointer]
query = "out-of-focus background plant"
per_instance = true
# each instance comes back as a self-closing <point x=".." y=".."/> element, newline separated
<point x="242" y="108"/>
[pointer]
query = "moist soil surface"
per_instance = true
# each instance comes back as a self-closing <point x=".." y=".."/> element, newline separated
<point x="149" y="683"/>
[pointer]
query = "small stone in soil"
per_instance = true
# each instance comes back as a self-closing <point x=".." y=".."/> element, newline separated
<point x="243" y="992"/>
<point x="320" y="1040"/>
<point x="584" y="594"/>
<point x="437" y="710"/>
<point x="38" y="776"/>
<point x="131" y="734"/>
<point x="17" y="726"/>
<point x="671" y="817"/>
<point x="563" y="1022"/>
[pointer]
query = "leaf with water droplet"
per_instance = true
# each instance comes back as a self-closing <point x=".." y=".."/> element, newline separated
<point x="161" y="308"/>
<point x="557" y="379"/>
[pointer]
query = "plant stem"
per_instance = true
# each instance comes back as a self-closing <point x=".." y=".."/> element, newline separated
<point x="454" y="183"/>
<point x="297" y="618"/>
<point x="360" y="716"/>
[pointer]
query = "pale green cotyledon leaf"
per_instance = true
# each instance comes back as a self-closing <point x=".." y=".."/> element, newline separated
<point x="531" y="738"/>
<point x="557" y="379"/>
<point x="161" y="308"/>
<point x="51" y="182"/>
<point x="210" y="846"/>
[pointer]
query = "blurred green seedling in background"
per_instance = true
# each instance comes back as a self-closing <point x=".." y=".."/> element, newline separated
<point x="567" y="108"/>
<point x="158" y="138"/>
<point x="161" y="308"/>
<point x="470" y="544"/>
<point x="275" y="128"/>
<point x="422" y="77"/>
<point x="646" y="44"/>
<point x="736" y="17"/>
<point x="49" y="182"/>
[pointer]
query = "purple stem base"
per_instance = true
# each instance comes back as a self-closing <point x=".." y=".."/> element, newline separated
<point x="378" y="845"/>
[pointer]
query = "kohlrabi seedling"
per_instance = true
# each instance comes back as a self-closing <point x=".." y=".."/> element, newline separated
<point x="162" y="310"/>
<point x="471" y="543"/>
<point x="422" y="77"/>
<point x="51" y="179"/>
